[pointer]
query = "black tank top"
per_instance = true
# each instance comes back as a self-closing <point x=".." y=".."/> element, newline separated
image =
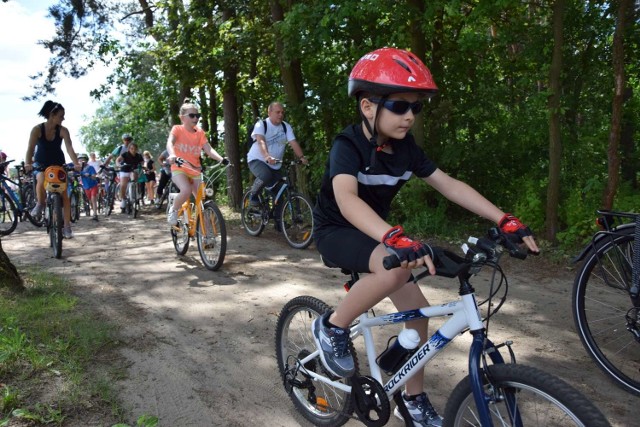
<point x="49" y="153"/>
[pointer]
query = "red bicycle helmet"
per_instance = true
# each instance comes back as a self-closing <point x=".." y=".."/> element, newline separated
<point x="388" y="70"/>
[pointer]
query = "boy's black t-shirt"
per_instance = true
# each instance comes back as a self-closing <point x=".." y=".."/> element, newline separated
<point x="377" y="186"/>
<point x="130" y="161"/>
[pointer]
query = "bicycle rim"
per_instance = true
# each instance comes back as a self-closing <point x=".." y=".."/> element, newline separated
<point x="55" y="231"/>
<point x="297" y="221"/>
<point x="523" y="396"/>
<point x="212" y="237"/>
<point x="603" y="309"/>
<point x="252" y="221"/>
<point x="8" y="215"/>
<point x="318" y="402"/>
<point x="180" y="237"/>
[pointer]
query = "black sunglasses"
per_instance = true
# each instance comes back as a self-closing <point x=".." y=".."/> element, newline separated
<point x="399" y="107"/>
<point x="193" y="115"/>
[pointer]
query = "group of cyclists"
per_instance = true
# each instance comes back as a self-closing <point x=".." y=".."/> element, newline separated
<point x="368" y="164"/>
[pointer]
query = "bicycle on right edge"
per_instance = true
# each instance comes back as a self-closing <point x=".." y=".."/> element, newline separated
<point x="291" y="210"/>
<point x="606" y="298"/>
<point x="494" y="392"/>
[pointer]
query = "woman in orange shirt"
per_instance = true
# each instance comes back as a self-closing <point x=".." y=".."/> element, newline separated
<point x="187" y="141"/>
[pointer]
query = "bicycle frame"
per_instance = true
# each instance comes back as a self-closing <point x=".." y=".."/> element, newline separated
<point x="464" y="314"/>
<point x="9" y="191"/>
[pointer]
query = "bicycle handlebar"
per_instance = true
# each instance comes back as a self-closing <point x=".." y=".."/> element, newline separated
<point x="480" y="252"/>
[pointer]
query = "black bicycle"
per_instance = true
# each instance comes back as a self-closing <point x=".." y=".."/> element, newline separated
<point x="291" y="210"/>
<point x="75" y="193"/>
<point x="109" y="189"/>
<point x="606" y="298"/>
<point x="14" y="206"/>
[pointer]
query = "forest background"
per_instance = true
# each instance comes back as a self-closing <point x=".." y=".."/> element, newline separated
<point x="537" y="105"/>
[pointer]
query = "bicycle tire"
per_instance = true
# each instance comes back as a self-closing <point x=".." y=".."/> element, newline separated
<point x="541" y="398"/>
<point x="111" y="198"/>
<point x="55" y="230"/>
<point x="296" y="221"/>
<point x="252" y="217"/>
<point x="601" y="303"/>
<point x="294" y="340"/>
<point x="212" y="244"/>
<point x="75" y="206"/>
<point x="8" y="214"/>
<point x="29" y="203"/>
<point x="180" y="237"/>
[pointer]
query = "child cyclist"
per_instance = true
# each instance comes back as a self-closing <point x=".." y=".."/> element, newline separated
<point x="368" y="164"/>
<point x="187" y="141"/>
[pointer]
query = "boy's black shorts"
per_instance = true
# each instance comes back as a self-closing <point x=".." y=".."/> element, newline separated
<point x="346" y="247"/>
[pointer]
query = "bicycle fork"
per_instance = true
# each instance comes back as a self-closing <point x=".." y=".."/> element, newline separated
<point x="481" y="346"/>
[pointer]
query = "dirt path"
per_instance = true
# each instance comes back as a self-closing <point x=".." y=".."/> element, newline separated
<point x="199" y="345"/>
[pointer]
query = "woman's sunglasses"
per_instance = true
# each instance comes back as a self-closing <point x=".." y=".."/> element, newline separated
<point x="193" y="115"/>
<point x="399" y="107"/>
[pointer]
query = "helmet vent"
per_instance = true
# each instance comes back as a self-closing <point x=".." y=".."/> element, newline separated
<point x="403" y="65"/>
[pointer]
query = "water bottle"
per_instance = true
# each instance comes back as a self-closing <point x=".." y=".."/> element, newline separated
<point x="399" y="352"/>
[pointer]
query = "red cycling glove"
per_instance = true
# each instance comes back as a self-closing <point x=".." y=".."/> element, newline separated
<point x="406" y="249"/>
<point x="512" y="225"/>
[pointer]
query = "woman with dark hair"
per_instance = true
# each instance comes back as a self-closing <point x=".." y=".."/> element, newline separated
<point x="46" y="140"/>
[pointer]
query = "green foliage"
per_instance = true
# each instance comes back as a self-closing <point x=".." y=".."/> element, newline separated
<point x="488" y="125"/>
<point x="44" y="334"/>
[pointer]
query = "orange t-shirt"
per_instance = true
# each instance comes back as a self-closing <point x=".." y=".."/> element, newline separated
<point x="188" y="145"/>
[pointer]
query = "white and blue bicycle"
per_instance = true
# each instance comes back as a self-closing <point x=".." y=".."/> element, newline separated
<point x="494" y="393"/>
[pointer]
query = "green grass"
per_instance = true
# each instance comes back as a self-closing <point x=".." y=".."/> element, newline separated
<point x="54" y="356"/>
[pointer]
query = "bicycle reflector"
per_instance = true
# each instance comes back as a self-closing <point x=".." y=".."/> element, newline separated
<point x="55" y="179"/>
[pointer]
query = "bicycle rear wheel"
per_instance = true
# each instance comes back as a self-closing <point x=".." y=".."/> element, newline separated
<point x="211" y="236"/>
<point x="320" y="403"/>
<point x="296" y="221"/>
<point x="252" y="217"/>
<point x="180" y="236"/>
<point x="8" y="214"/>
<point x="606" y="317"/>
<point x="55" y="229"/>
<point x="523" y="396"/>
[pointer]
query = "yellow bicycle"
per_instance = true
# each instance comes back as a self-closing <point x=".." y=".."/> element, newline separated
<point x="202" y="219"/>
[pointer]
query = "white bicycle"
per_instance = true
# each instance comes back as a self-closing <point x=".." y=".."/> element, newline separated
<point x="494" y="392"/>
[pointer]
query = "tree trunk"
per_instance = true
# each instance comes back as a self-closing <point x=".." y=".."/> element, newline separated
<point x="230" y="115"/>
<point x="9" y="277"/>
<point x="613" y="154"/>
<point x="419" y="48"/>
<point x="292" y="81"/>
<point x="555" y="135"/>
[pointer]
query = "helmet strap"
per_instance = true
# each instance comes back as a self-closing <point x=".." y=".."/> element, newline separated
<point x="373" y="140"/>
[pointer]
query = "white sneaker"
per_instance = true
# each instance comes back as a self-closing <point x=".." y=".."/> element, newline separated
<point x="172" y="217"/>
<point x="67" y="233"/>
<point x="123" y="204"/>
<point x="36" y="212"/>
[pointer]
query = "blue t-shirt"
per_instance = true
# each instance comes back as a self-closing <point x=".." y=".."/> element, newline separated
<point x="88" y="181"/>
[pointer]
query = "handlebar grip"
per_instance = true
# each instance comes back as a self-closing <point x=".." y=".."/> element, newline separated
<point x="390" y="262"/>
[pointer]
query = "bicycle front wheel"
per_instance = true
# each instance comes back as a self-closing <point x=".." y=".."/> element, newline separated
<point x="75" y="206"/>
<point x="212" y="236"/>
<point x="606" y="317"/>
<point x="296" y="221"/>
<point x="29" y="203"/>
<point x="252" y="216"/>
<point x="523" y="396"/>
<point x="320" y="403"/>
<point x="8" y="214"/>
<point x="55" y="229"/>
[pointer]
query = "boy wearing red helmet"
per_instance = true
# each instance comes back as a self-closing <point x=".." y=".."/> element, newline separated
<point x="368" y="164"/>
